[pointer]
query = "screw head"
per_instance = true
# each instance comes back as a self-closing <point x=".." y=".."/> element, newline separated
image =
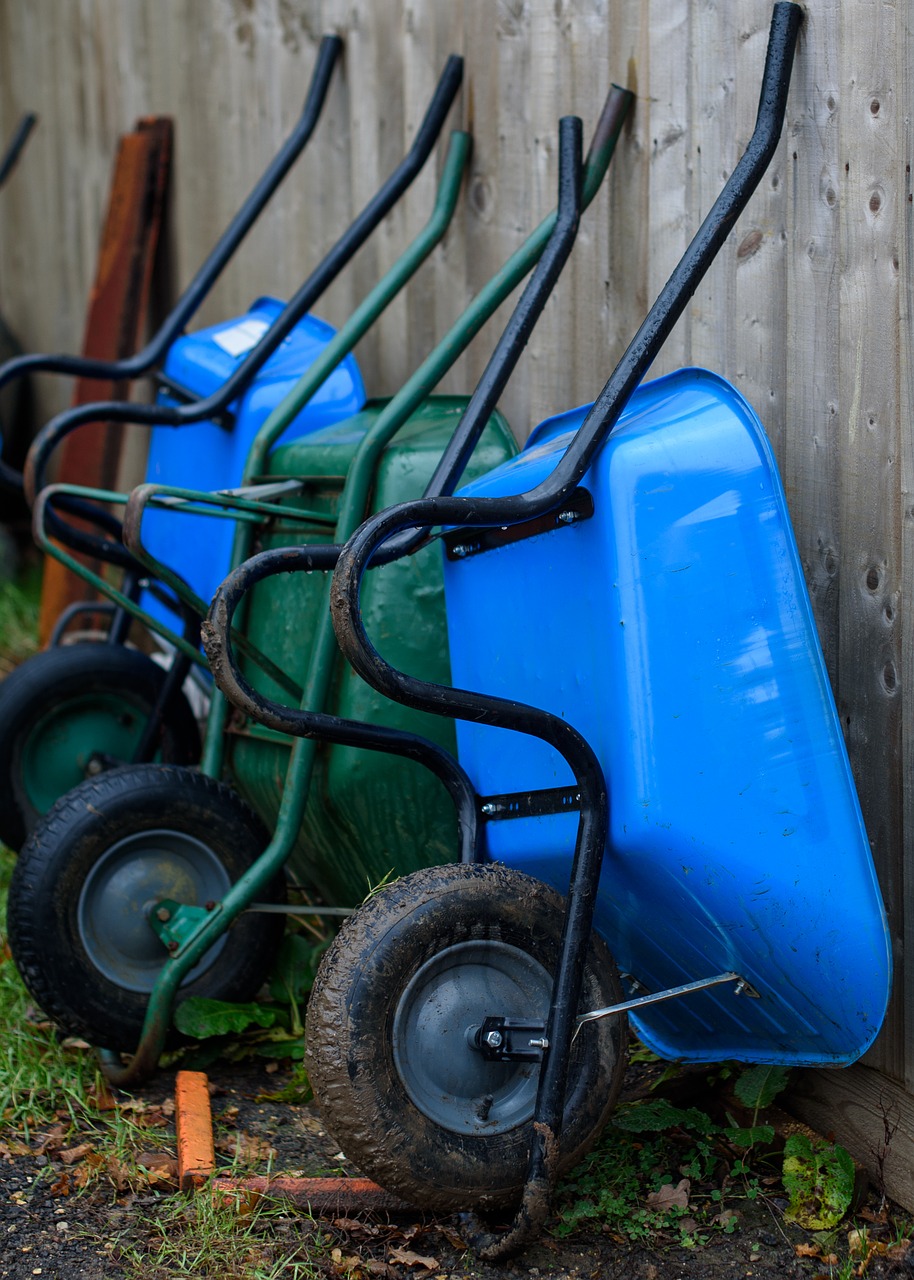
<point x="459" y="552"/>
<point x="163" y="914"/>
<point x="494" y="1039"/>
<point x="172" y="946"/>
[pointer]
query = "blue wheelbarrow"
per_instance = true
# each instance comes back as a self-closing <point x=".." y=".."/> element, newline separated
<point x="71" y="712"/>
<point x="658" y="815"/>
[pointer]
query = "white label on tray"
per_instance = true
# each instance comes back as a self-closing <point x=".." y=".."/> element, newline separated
<point x="241" y="337"/>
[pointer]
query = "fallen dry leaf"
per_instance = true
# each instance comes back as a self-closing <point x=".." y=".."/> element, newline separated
<point x="14" y="1148"/>
<point x="161" y="1168"/>
<point x="87" y="1168"/>
<point x="62" y="1186"/>
<point x="247" y="1147"/>
<point x="451" y="1236"/>
<point x="805" y="1250"/>
<point x="119" y="1173"/>
<point x="669" y="1197"/>
<point x="355" y="1227"/>
<point x="51" y="1141"/>
<point x="73" y="1154"/>
<point x="101" y="1097"/>
<point x="409" y="1259"/>
<point x="725" y="1216"/>
<point x="350" y="1265"/>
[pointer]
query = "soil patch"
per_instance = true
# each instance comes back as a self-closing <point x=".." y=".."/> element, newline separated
<point x="56" y="1221"/>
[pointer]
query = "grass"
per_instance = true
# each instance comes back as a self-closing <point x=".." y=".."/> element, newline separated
<point x="213" y="1235"/>
<point x="19" y="600"/>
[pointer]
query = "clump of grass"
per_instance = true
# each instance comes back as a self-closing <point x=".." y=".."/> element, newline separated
<point x="218" y="1234"/>
<point x="19" y="602"/>
<point x="41" y="1077"/>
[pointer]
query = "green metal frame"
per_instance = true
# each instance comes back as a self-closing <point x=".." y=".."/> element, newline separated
<point x="197" y="929"/>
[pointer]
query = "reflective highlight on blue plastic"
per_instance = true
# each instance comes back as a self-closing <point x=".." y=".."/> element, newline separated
<point x="674" y="630"/>
<point x="207" y="455"/>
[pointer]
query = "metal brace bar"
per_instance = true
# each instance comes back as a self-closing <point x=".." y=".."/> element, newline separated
<point x="743" y="988"/>
<point x="279" y="908"/>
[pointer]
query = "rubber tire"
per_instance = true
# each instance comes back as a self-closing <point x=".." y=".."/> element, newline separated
<point x="42" y="911"/>
<point x="47" y="682"/>
<point x="361" y="1094"/>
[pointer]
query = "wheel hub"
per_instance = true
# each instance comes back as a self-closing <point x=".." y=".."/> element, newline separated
<point x="434" y="1030"/>
<point x="112" y="913"/>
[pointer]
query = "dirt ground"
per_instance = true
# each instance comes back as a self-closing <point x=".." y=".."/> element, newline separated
<point x="51" y="1229"/>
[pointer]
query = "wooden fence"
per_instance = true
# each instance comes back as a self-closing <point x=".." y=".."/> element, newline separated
<point x="806" y="309"/>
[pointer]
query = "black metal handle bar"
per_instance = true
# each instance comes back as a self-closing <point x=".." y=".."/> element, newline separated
<point x="217" y="629"/>
<point x="312" y="724"/>
<point x="593" y="824"/>
<point x="324" y="556"/>
<point x="346" y="246"/>
<point x="15" y="145"/>
<point x="224" y="249"/>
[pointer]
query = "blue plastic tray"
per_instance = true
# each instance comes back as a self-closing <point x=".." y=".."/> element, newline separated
<point x="206" y="455"/>
<point x="674" y="630"/>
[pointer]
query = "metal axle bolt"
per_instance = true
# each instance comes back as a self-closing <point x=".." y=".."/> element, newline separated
<point x="566" y="517"/>
<point x="542" y="1043"/>
<point x="494" y="1039"/>
<point x="459" y="552"/>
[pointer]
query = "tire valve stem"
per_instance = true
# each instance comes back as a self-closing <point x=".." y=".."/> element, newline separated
<point x="485" y="1106"/>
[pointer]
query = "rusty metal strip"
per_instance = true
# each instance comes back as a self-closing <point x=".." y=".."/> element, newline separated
<point x="114" y="322"/>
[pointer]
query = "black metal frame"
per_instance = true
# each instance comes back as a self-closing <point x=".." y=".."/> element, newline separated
<point x="319" y="280"/>
<point x="216" y="631"/>
<point x="404" y="527"/>
<point x="136" y="365"/>
<point x="14" y="147"/>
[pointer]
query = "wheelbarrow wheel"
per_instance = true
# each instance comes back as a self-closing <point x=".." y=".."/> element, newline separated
<point x="70" y="712"/>
<point x="89" y="877"/>
<point x="396" y="1002"/>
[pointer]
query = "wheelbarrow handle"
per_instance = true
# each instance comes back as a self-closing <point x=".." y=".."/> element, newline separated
<point x="134" y="366"/>
<point x="216" y="631"/>
<point x="323" y="275"/>
<point x="123" y="545"/>
<point x="688" y="274"/>
<point x="593" y="824"/>
<point x="15" y="145"/>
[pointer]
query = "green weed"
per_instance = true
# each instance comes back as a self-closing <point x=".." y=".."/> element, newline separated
<point x="42" y="1079"/>
<point x="19" y="601"/>
<point x="215" y="1234"/>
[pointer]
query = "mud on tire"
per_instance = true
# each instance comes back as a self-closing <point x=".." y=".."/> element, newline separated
<point x="396" y="997"/>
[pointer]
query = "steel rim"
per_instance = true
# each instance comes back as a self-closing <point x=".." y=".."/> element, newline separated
<point x="123" y="888"/>
<point x="445" y="1001"/>
<point x="56" y="755"/>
